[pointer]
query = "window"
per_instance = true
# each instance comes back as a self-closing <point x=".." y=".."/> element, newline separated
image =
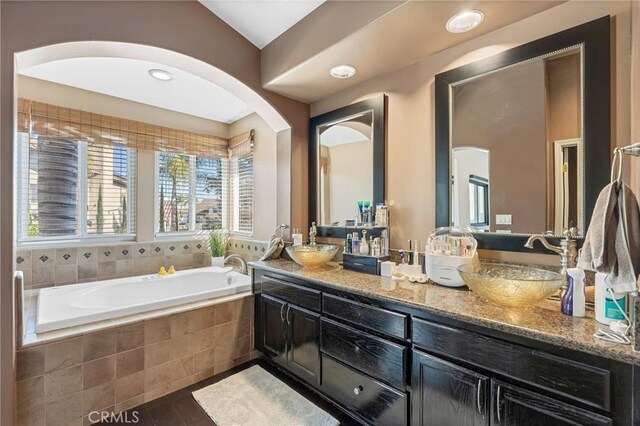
<point x="241" y="188"/>
<point x="191" y="192"/>
<point x="72" y="189"/>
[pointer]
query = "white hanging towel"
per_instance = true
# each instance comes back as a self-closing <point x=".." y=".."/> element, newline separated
<point x="612" y="243"/>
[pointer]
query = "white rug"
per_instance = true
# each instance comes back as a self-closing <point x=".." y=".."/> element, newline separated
<point x="253" y="397"/>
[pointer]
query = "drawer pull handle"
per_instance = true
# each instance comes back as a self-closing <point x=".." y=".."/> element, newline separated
<point x="478" y="392"/>
<point x="357" y="390"/>
<point x="282" y="312"/>
<point x="288" y="320"/>
<point x="498" y="404"/>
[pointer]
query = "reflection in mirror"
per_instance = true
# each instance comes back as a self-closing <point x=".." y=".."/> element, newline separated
<point x="345" y="169"/>
<point x="517" y="147"/>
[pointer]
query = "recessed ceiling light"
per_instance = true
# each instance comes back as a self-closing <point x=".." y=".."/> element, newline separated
<point x="160" y="74"/>
<point x="464" y="21"/>
<point x="342" y="71"/>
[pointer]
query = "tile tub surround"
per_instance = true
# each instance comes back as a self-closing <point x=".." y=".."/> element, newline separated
<point x="48" y="267"/>
<point x="542" y="322"/>
<point x="636" y="333"/>
<point x="127" y="365"/>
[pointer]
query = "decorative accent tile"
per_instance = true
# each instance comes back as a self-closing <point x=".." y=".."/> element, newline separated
<point x="106" y="254"/>
<point x="66" y="256"/>
<point x="43" y="257"/>
<point x="124" y="252"/>
<point x="87" y="255"/>
<point x="23" y="259"/>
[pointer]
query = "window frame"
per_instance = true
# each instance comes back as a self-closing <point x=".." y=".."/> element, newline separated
<point x="193" y="189"/>
<point x="82" y="238"/>
<point x="231" y="208"/>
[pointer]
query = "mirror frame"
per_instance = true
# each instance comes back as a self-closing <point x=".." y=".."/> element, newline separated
<point x="376" y="104"/>
<point x="594" y="39"/>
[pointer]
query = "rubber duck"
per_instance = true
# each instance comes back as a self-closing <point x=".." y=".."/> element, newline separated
<point x="171" y="270"/>
<point x="162" y="271"/>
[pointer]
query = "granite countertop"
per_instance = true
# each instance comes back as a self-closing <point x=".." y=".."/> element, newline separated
<point x="542" y="322"/>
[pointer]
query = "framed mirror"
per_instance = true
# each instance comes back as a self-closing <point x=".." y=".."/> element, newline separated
<point x="523" y="138"/>
<point x="346" y="165"/>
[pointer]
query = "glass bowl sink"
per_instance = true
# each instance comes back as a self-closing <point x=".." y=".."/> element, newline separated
<point x="511" y="285"/>
<point x="312" y="255"/>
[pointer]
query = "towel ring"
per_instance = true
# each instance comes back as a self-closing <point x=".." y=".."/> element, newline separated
<point x="617" y="155"/>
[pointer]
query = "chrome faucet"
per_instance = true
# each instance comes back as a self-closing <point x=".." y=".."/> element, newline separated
<point x="243" y="263"/>
<point x="567" y="250"/>
<point x="313" y="231"/>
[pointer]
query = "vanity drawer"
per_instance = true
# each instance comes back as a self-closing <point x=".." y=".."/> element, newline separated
<point x="371" y="317"/>
<point x="370" y="354"/>
<point x="290" y="292"/>
<point x="374" y="402"/>
<point x="581" y="382"/>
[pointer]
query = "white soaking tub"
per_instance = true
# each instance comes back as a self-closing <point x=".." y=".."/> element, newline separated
<point x="78" y="304"/>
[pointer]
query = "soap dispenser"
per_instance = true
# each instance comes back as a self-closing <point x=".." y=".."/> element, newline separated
<point x="364" y="244"/>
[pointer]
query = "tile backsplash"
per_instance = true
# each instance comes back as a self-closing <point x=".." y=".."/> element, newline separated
<point x="49" y="267"/>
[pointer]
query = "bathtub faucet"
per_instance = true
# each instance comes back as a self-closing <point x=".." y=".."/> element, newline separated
<point x="243" y="263"/>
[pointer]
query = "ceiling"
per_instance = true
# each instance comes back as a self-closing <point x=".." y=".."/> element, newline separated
<point x="129" y="79"/>
<point x="261" y="21"/>
<point x="406" y="34"/>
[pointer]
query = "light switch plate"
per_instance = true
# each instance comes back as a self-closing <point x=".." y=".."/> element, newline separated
<point x="503" y="219"/>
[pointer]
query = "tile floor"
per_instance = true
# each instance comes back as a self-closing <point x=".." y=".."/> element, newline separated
<point x="180" y="409"/>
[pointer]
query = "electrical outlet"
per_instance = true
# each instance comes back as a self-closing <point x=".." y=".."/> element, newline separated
<point x="503" y="219"/>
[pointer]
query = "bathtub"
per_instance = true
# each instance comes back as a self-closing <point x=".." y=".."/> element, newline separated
<point x="78" y="304"/>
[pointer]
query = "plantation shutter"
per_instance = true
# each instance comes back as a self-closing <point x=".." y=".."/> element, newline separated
<point x="241" y="182"/>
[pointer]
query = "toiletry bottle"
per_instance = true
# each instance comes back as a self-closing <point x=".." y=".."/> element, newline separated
<point x="297" y="237"/>
<point x="355" y="243"/>
<point x="606" y="309"/>
<point x="348" y="244"/>
<point x="401" y="257"/>
<point x="364" y="245"/>
<point x="375" y="247"/>
<point x="410" y="255"/>
<point x="414" y="257"/>
<point x="573" y="300"/>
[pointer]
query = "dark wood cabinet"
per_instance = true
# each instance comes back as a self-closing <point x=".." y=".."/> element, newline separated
<point x="390" y="364"/>
<point x="303" y="343"/>
<point x="447" y="394"/>
<point x="273" y="333"/>
<point x="290" y="336"/>
<point x="514" y="406"/>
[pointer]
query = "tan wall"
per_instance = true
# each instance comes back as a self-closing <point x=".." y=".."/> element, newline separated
<point x="265" y="172"/>
<point x="411" y="135"/>
<point x="28" y="25"/>
<point x="515" y="139"/>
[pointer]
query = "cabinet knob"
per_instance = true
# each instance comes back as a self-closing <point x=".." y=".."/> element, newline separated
<point x="357" y="390"/>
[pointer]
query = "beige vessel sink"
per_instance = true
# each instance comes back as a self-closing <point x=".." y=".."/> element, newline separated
<point x="511" y="285"/>
<point x="312" y="255"/>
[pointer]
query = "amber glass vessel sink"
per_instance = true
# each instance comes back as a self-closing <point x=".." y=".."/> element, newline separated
<point x="312" y="255"/>
<point x="510" y="285"/>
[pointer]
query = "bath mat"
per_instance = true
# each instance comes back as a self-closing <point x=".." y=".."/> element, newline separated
<point x="253" y="397"/>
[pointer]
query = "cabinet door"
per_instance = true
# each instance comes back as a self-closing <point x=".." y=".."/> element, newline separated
<point x="273" y="328"/>
<point x="518" y="407"/>
<point x="304" y="343"/>
<point x="447" y="394"/>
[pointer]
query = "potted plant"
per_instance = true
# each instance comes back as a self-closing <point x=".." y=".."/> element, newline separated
<point x="218" y="240"/>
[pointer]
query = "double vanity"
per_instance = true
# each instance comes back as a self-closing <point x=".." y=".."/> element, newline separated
<point x="522" y="147"/>
<point x="397" y="353"/>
